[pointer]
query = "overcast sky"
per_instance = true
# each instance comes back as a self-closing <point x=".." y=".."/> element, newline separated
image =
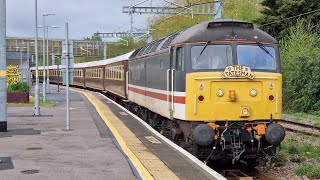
<point x="85" y="17"/>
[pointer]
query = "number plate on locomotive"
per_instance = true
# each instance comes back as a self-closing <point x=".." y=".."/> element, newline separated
<point x="237" y="71"/>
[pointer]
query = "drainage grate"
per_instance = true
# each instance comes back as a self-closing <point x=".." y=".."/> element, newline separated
<point x="31" y="171"/>
<point x="34" y="148"/>
<point x="6" y="163"/>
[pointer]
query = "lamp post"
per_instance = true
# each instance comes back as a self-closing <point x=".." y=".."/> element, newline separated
<point x="44" y="56"/>
<point x="21" y="63"/>
<point x="36" y="87"/>
<point x="3" y="64"/>
<point x="48" y="79"/>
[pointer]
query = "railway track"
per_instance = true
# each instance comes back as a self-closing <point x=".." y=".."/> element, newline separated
<point x="303" y="128"/>
<point x="255" y="174"/>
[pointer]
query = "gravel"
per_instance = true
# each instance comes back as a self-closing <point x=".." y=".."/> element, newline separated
<point x="286" y="172"/>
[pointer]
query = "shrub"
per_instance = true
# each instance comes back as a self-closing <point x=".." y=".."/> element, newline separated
<point x="300" y="54"/>
<point x="18" y="87"/>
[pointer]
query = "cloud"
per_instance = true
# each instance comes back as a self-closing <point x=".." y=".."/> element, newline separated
<point x="85" y="17"/>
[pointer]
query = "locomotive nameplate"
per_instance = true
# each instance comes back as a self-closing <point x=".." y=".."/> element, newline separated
<point x="237" y="71"/>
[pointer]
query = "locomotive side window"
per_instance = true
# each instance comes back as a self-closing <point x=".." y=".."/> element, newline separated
<point x="211" y="57"/>
<point x="179" y="59"/>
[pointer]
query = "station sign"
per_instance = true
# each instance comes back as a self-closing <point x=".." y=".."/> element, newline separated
<point x="70" y="58"/>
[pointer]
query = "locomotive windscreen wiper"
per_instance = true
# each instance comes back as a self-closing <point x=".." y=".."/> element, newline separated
<point x="204" y="48"/>
<point x="263" y="47"/>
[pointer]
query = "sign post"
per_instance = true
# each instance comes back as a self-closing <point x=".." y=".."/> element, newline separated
<point x="3" y="64"/>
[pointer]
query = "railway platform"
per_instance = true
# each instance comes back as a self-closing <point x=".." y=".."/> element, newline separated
<point x="105" y="142"/>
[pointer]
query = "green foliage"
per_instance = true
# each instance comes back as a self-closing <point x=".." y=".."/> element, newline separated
<point x="236" y="9"/>
<point x="247" y="10"/>
<point x="300" y="53"/>
<point x="18" y="87"/>
<point x="276" y="10"/>
<point x="308" y="170"/>
<point x="93" y="38"/>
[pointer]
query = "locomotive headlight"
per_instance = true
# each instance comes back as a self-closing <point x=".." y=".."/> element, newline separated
<point x="220" y="93"/>
<point x="253" y="92"/>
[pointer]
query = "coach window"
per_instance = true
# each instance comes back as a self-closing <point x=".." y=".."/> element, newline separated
<point x="179" y="59"/>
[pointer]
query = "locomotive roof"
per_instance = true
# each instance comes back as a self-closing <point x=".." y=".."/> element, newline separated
<point x="220" y="30"/>
<point x="216" y="30"/>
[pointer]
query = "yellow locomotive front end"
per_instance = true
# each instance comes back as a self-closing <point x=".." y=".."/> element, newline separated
<point x="234" y="100"/>
<point x="214" y="97"/>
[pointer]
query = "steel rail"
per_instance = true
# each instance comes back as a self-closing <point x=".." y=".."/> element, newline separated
<point x="301" y="124"/>
<point x="283" y="122"/>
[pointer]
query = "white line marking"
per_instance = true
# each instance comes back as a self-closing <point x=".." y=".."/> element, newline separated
<point x="213" y="173"/>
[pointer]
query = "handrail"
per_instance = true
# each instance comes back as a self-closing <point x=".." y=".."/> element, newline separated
<point x="172" y="88"/>
<point x="168" y="79"/>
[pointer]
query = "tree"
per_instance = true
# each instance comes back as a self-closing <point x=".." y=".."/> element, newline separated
<point x="93" y="38"/>
<point x="275" y="12"/>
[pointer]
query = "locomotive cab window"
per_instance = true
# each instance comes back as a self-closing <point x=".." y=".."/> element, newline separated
<point x="257" y="56"/>
<point x="211" y="57"/>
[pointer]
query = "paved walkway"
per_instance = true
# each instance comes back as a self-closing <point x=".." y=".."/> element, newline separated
<point x="41" y="148"/>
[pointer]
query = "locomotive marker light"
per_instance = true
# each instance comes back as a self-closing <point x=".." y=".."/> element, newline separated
<point x="201" y="86"/>
<point x="271" y="97"/>
<point x="271" y="85"/>
<point x="220" y="93"/>
<point x="201" y="98"/>
<point x="253" y="92"/>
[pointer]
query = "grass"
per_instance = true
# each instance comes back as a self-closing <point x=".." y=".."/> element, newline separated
<point x="292" y="148"/>
<point x="308" y="170"/>
<point x="31" y="103"/>
<point x="280" y="160"/>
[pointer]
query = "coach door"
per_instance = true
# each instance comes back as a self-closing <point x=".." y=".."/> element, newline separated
<point x="175" y="74"/>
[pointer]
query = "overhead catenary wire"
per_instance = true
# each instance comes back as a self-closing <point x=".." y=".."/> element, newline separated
<point x="303" y="14"/>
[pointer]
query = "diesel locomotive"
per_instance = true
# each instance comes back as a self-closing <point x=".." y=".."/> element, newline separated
<point x="214" y="88"/>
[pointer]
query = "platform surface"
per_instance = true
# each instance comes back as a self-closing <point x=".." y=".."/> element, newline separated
<point x="105" y="142"/>
<point x="41" y="148"/>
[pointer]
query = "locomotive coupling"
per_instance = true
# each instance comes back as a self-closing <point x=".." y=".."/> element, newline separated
<point x="275" y="134"/>
<point x="204" y="134"/>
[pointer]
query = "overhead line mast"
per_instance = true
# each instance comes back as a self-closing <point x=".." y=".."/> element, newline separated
<point x="210" y="8"/>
